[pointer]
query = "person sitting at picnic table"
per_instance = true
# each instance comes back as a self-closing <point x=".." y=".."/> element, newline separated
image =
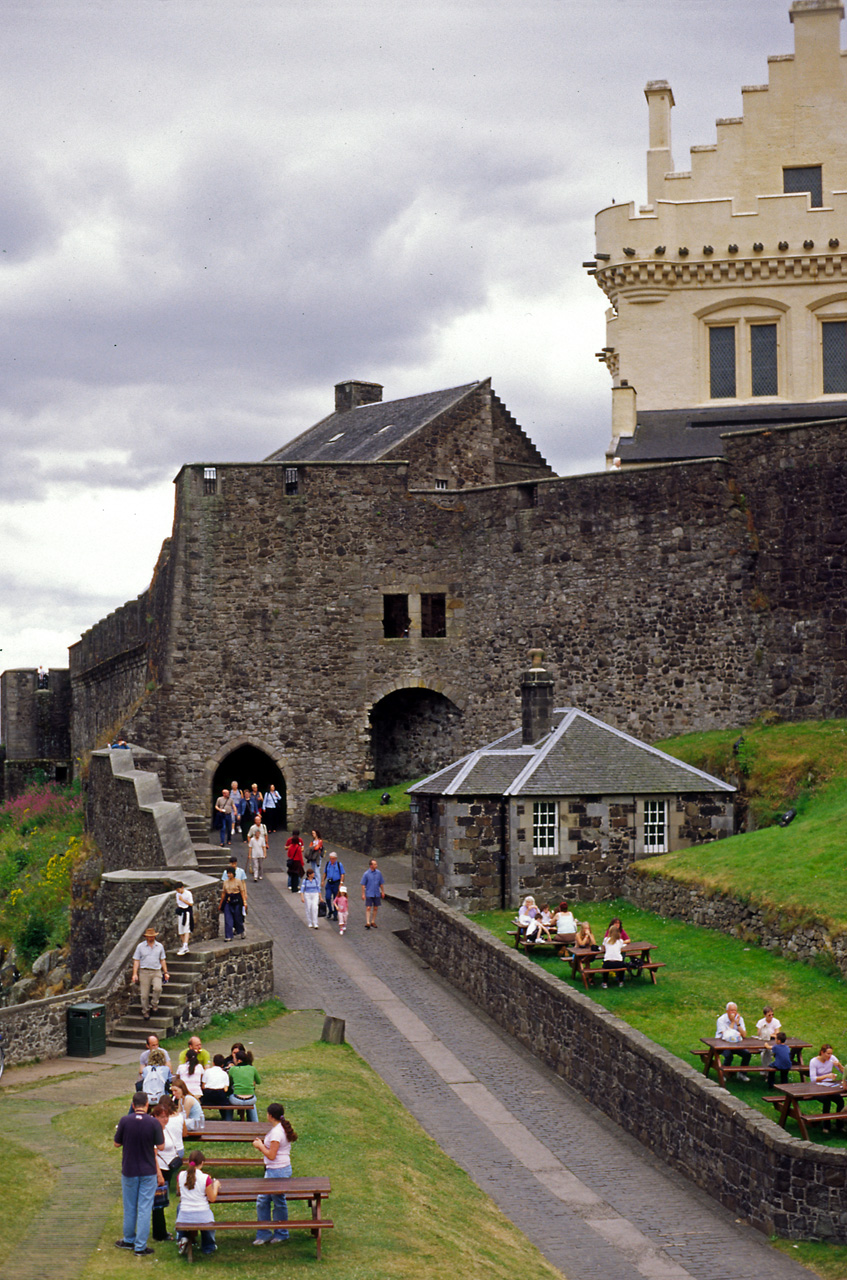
<point x="216" y="1087"/>
<point x="528" y="911"/>
<point x="613" y="960"/>
<point x="197" y="1191"/>
<point x="564" y="919"/>
<point x="731" y="1028"/>
<point x="615" y="922"/>
<point x="826" y="1069"/>
<point x="780" y="1060"/>
<point x="190" y="1109"/>
<point x="191" y="1071"/>
<point x="244" y="1078"/>
<point x="585" y="937"/>
<point x="546" y="914"/>
<point x="767" y="1027"/>
<point x="536" y="931"/>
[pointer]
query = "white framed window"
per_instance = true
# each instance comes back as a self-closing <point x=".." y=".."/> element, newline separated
<point x="441" y="484"/>
<point x="545" y="828"/>
<point x="655" y="826"/>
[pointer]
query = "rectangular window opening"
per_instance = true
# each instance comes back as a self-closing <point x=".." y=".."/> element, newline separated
<point x="722" y="362"/>
<point x="545" y="828"/>
<point x="210" y="480"/>
<point x="395" y="617"/>
<point x="441" y="484"/>
<point x="291" y="481"/>
<point x="655" y="826"/>
<point x="433" y="616"/>
<point x="834" y="344"/>
<point x="806" y="178"/>
<point x="763" y="359"/>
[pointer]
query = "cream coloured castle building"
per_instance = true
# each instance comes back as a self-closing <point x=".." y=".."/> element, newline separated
<point x="728" y="289"/>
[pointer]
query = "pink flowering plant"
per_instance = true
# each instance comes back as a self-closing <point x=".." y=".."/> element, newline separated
<point x="40" y="839"/>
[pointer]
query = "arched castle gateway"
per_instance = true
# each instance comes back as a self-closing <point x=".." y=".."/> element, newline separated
<point x="409" y="552"/>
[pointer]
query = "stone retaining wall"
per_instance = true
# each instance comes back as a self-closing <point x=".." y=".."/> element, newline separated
<point x="775" y="1181"/>
<point x="768" y="927"/>
<point x="236" y="974"/>
<point x="374" y="835"/>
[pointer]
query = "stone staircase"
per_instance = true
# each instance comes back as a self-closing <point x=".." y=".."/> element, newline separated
<point x="132" y="1030"/>
<point x="212" y="859"/>
<point x="198" y="827"/>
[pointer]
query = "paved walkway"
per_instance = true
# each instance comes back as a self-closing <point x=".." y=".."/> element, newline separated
<point x="589" y="1196"/>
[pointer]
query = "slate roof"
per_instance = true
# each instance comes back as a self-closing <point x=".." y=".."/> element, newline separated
<point x="368" y="432"/>
<point x="580" y="756"/>
<point x="672" y="435"/>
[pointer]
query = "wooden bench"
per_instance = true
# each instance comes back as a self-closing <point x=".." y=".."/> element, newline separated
<point x="245" y="1190"/>
<point x="590" y="972"/>
<point x="557" y="944"/>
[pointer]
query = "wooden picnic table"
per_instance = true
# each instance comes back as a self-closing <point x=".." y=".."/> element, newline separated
<point x="557" y="942"/>
<point x="244" y="1190"/>
<point x="583" y="959"/>
<point x="751" y="1044"/>
<point x="229" y="1131"/>
<point x="794" y="1094"/>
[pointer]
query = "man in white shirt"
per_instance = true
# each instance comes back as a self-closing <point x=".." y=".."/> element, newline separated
<point x="730" y="1027"/>
<point x="149" y="967"/>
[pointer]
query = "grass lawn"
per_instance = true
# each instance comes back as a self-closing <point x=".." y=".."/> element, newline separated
<point x="24" y="1195"/>
<point x="369" y="802"/>
<point x="704" y="970"/>
<point x="236" y="1025"/>
<point x="403" y="1208"/>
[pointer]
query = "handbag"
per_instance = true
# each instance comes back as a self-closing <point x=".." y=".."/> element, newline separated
<point x="161" y="1199"/>
<point x="175" y="1165"/>
<point x="321" y="908"/>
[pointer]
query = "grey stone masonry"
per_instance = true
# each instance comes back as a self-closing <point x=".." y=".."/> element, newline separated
<point x="368" y="833"/>
<point x="125" y="812"/>
<point x="780" y="1184"/>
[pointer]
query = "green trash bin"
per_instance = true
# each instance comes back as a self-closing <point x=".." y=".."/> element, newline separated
<point x="86" y="1030"/>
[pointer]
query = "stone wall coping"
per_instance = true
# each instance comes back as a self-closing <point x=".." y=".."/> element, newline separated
<point x="169" y="819"/>
<point x="191" y="877"/>
<point x="760" y="1129"/>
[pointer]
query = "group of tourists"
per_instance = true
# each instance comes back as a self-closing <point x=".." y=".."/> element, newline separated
<point x="248" y="812"/>
<point x="559" y="925"/>
<point x="731" y="1028"/>
<point x="166" y="1109"/>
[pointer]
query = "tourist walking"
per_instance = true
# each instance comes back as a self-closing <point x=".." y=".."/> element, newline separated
<point x="223" y="817"/>
<point x="257" y="846"/>
<point x="315" y="853"/>
<point x="275" y="1148"/>
<point x="240" y="873"/>
<point x="138" y="1135"/>
<point x="294" y="861"/>
<point x="333" y="878"/>
<point x="239" y="804"/>
<point x="310" y="894"/>
<point x="373" y="891"/>
<point x="233" y="904"/>
<point x="273" y="806"/>
<point x="149" y="968"/>
<point x="184" y="916"/>
<point x="197" y="1192"/>
<point x="341" y="908"/>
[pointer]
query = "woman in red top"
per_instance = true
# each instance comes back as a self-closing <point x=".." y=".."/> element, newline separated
<point x="296" y="867"/>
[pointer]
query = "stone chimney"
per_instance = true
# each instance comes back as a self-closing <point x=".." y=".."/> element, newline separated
<point x="536" y="700"/>
<point x="349" y="395"/>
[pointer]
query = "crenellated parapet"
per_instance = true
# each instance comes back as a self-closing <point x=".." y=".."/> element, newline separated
<point x="729" y="286"/>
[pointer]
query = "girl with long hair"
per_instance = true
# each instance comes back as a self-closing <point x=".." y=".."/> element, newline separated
<point x="197" y="1193"/>
<point x="275" y="1147"/>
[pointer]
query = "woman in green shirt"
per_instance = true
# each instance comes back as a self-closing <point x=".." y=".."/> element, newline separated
<point x="244" y="1077"/>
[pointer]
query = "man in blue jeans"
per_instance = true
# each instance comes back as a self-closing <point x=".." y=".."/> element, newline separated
<point x="333" y="877"/>
<point x="139" y="1135"/>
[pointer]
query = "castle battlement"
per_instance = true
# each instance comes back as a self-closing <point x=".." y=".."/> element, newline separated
<point x="728" y="287"/>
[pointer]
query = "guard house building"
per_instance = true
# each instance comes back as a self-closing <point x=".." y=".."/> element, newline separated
<point x="728" y="289"/>
<point x="557" y="808"/>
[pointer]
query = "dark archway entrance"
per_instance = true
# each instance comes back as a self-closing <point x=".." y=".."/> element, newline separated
<point x="413" y="732"/>
<point x="246" y="765"/>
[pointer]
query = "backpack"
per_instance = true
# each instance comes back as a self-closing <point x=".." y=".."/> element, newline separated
<point x="154" y="1082"/>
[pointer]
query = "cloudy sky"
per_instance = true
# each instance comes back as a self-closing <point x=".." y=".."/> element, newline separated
<point x="212" y="212"/>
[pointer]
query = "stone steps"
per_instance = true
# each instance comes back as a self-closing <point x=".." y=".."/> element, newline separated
<point x="134" y="1027"/>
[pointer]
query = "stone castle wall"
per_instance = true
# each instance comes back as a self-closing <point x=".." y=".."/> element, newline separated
<point x="680" y="596"/>
<point x="778" y="1183"/>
